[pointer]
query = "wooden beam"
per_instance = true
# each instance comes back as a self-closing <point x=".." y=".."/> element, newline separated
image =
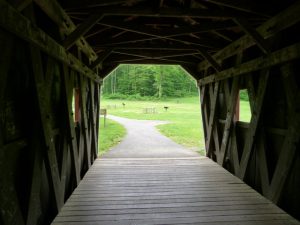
<point x="166" y="12"/>
<point x="243" y="5"/>
<point x="29" y="32"/>
<point x="190" y="70"/>
<point x="150" y="61"/>
<point x="211" y="60"/>
<point x="68" y="88"/>
<point x="60" y="17"/>
<point x="275" y="58"/>
<point x="155" y="35"/>
<point x="145" y="46"/>
<point x="45" y="117"/>
<point x="20" y="5"/>
<point x="94" y="117"/>
<point x="101" y="58"/>
<point x="229" y="118"/>
<point x="173" y="32"/>
<point x="251" y="135"/>
<point x="10" y="212"/>
<point x="211" y="123"/>
<point x="34" y="210"/>
<point x="96" y="3"/>
<point x="223" y="36"/>
<point x="289" y="146"/>
<point x="283" y="20"/>
<point x="84" y="117"/>
<point x="262" y="161"/>
<point x="107" y="70"/>
<point x="153" y="55"/>
<point x="247" y="28"/>
<point x="234" y="151"/>
<point x="81" y="30"/>
<point x="7" y="49"/>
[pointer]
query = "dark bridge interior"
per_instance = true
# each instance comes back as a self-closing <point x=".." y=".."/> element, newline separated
<point x="54" y="50"/>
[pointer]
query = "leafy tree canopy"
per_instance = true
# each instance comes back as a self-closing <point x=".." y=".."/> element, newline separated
<point x="155" y="81"/>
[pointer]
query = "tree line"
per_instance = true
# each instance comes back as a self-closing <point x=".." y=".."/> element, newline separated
<point x="157" y="81"/>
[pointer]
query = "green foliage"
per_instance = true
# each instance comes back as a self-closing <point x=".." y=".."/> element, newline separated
<point x="244" y="95"/>
<point x="150" y="81"/>
<point x="109" y="135"/>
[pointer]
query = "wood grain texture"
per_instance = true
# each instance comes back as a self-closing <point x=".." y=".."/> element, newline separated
<point x="166" y="191"/>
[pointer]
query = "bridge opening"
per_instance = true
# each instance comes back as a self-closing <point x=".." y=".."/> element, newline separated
<point x="155" y="92"/>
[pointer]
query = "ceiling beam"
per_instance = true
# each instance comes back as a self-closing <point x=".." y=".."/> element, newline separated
<point x="242" y="5"/>
<point x="276" y="24"/>
<point x="82" y="29"/>
<point x="275" y="58"/>
<point x="20" y="5"/>
<point x="166" y="12"/>
<point x="101" y="58"/>
<point x="96" y="3"/>
<point x="149" y="61"/>
<point x="107" y="70"/>
<point x="174" y="32"/>
<point x="55" y="12"/>
<point x="29" y="32"/>
<point x="166" y="46"/>
<point x="149" y="56"/>
<point x="210" y="59"/>
<point x="139" y="31"/>
<point x="248" y="29"/>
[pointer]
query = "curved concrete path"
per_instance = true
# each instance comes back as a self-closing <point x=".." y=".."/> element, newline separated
<point x="143" y="140"/>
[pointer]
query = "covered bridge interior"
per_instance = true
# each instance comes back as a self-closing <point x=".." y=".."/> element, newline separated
<point x="55" y="50"/>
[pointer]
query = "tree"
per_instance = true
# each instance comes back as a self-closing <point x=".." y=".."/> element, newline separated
<point x="150" y="80"/>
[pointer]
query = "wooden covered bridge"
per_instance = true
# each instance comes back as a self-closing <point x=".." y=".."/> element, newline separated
<point x="55" y="53"/>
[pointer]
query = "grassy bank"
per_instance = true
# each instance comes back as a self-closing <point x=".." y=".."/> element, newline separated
<point x="110" y="135"/>
<point x="183" y="114"/>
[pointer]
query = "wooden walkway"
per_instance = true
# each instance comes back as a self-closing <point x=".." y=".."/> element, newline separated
<point x="166" y="191"/>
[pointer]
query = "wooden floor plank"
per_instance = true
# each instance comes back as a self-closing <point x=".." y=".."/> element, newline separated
<point x="166" y="191"/>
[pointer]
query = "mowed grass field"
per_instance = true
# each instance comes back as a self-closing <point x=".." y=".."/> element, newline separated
<point x="184" y="115"/>
<point x="109" y="135"/>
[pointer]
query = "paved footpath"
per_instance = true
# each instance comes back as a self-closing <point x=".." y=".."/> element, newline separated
<point x="143" y="140"/>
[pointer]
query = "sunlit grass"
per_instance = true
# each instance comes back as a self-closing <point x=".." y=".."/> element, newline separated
<point x="109" y="135"/>
<point x="183" y="114"/>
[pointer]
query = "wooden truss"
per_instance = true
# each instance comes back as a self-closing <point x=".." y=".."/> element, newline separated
<point x="54" y="55"/>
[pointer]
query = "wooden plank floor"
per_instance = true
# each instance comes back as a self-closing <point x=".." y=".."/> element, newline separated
<point x="166" y="191"/>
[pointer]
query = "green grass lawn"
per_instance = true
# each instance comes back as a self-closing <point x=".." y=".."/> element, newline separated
<point x="184" y="114"/>
<point x="245" y="112"/>
<point x="109" y="135"/>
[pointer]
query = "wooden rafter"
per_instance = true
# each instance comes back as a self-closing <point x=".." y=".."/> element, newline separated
<point x="260" y="41"/>
<point x="280" y="56"/>
<point x="242" y="5"/>
<point x="81" y="30"/>
<point x="101" y="58"/>
<point x="211" y="60"/>
<point x="95" y="3"/>
<point x="20" y="5"/>
<point x="274" y="25"/>
<point x="37" y="37"/>
<point x="63" y="21"/>
<point x="228" y="122"/>
<point x="247" y="150"/>
<point x="154" y="56"/>
<point x="139" y="31"/>
<point x="211" y="123"/>
<point x="166" y="12"/>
